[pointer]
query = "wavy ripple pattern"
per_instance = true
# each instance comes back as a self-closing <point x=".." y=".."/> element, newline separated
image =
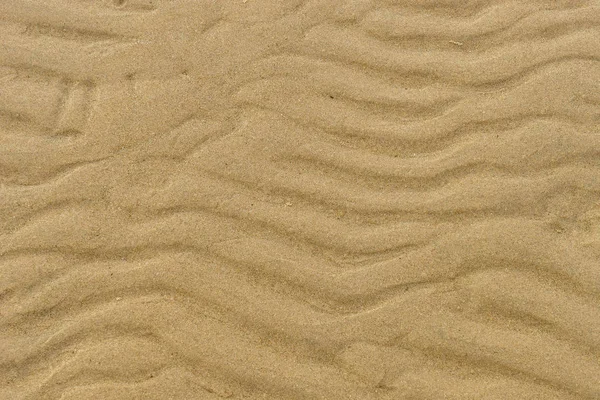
<point x="303" y="199"/>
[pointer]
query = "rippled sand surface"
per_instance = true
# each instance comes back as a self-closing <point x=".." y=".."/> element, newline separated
<point x="299" y="199"/>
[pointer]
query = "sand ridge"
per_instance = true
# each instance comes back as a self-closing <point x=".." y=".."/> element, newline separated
<point x="299" y="199"/>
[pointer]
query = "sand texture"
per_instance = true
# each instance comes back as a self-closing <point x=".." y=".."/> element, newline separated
<point x="299" y="199"/>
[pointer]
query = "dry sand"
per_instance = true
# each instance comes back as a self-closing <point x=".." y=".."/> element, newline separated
<point x="299" y="199"/>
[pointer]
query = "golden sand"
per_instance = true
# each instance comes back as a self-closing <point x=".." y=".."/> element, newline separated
<point x="299" y="199"/>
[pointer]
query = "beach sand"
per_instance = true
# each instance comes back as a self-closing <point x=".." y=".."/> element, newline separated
<point x="299" y="199"/>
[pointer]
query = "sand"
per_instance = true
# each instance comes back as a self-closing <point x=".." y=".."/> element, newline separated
<point x="299" y="199"/>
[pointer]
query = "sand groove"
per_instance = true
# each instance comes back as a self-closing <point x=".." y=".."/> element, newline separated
<point x="315" y="199"/>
